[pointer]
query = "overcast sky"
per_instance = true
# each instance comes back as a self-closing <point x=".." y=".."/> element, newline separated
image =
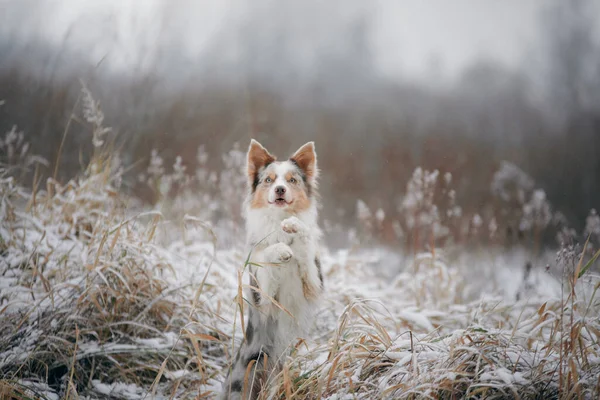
<point x="410" y="38"/>
<point x="454" y="33"/>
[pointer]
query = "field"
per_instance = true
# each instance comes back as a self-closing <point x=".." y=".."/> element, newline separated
<point x="105" y="296"/>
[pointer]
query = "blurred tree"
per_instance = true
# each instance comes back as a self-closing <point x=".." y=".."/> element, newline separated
<point x="573" y="87"/>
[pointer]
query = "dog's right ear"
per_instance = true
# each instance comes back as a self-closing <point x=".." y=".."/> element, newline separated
<point x="258" y="157"/>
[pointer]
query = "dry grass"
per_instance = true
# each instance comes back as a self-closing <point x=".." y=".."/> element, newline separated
<point x="98" y="300"/>
<point x="84" y="295"/>
<point x="537" y="349"/>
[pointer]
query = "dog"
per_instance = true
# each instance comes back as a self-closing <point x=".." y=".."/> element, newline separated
<point x="285" y="278"/>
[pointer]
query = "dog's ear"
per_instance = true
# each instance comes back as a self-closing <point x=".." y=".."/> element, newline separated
<point x="306" y="159"/>
<point x="258" y="157"/>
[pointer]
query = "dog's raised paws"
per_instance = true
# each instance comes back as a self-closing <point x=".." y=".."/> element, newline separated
<point x="292" y="225"/>
<point x="280" y="253"/>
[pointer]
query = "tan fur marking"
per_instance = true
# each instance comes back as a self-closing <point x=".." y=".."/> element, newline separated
<point x="259" y="199"/>
<point x="258" y="157"/>
<point x="306" y="159"/>
<point x="301" y="200"/>
<point x="309" y="291"/>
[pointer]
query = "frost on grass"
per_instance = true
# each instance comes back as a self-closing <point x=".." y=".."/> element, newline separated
<point x="101" y="300"/>
<point x="89" y="295"/>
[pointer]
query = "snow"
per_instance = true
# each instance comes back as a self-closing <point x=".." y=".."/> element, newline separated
<point x="417" y="318"/>
<point x="400" y="324"/>
<point x="129" y="391"/>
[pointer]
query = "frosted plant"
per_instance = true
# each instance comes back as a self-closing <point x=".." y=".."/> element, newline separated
<point x="15" y="150"/>
<point x="568" y="256"/>
<point x="439" y="230"/>
<point x="91" y="108"/>
<point x="398" y="231"/>
<point x="164" y="186"/>
<point x="353" y="237"/>
<point x="201" y="155"/>
<point x="536" y="212"/>
<point x="417" y="204"/>
<point x="362" y="211"/>
<point x="365" y="217"/>
<point x="179" y="171"/>
<point x="202" y="173"/>
<point x="511" y="186"/>
<point x="592" y="230"/>
<point x="234" y="163"/>
<point x="493" y="228"/>
<point x="511" y="183"/>
<point x="429" y="209"/>
<point x="206" y="182"/>
<point x="94" y="115"/>
<point x="155" y="176"/>
<point x="448" y="178"/>
<point x="155" y="168"/>
<point x="559" y="219"/>
<point x="8" y="190"/>
<point x="564" y="234"/>
<point x="592" y="224"/>
<point x="380" y="216"/>
<point x="476" y="223"/>
<point x="117" y="170"/>
<point x="14" y="145"/>
<point x="453" y="212"/>
<point x="232" y="182"/>
<point x="435" y="283"/>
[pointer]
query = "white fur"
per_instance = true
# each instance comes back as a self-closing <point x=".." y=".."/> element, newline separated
<point x="281" y="170"/>
<point x="267" y="228"/>
<point x="284" y="244"/>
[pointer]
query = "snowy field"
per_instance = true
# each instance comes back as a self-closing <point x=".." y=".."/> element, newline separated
<point x="102" y="297"/>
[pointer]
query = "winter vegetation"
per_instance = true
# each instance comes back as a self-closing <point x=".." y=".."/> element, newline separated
<point x="107" y="294"/>
<point x="460" y="211"/>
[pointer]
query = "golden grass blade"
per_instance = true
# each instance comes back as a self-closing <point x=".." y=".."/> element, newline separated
<point x="240" y="302"/>
<point x="70" y="386"/>
<point x="578" y="268"/>
<point x="272" y="300"/>
<point x="247" y="378"/>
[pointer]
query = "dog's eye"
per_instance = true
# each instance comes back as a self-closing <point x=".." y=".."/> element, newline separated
<point x="268" y="180"/>
<point x="292" y="180"/>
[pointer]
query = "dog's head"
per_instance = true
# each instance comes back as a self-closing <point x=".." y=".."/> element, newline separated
<point x="286" y="185"/>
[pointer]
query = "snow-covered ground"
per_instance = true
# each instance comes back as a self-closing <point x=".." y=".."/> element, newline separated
<point x="101" y="297"/>
<point x="104" y="302"/>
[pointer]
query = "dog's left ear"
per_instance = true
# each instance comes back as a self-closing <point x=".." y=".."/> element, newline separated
<point x="306" y="159"/>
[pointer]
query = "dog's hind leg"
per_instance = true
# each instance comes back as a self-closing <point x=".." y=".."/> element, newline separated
<point x="254" y="362"/>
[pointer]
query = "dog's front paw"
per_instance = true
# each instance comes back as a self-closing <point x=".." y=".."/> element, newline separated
<point x="293" y="225"/>
<point x="279" y="253"/>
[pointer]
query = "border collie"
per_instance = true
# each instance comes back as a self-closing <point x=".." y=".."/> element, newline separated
<point x="284" y="267"/>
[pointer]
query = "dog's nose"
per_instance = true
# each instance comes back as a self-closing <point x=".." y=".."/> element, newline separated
<point x="280" y="190"/>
